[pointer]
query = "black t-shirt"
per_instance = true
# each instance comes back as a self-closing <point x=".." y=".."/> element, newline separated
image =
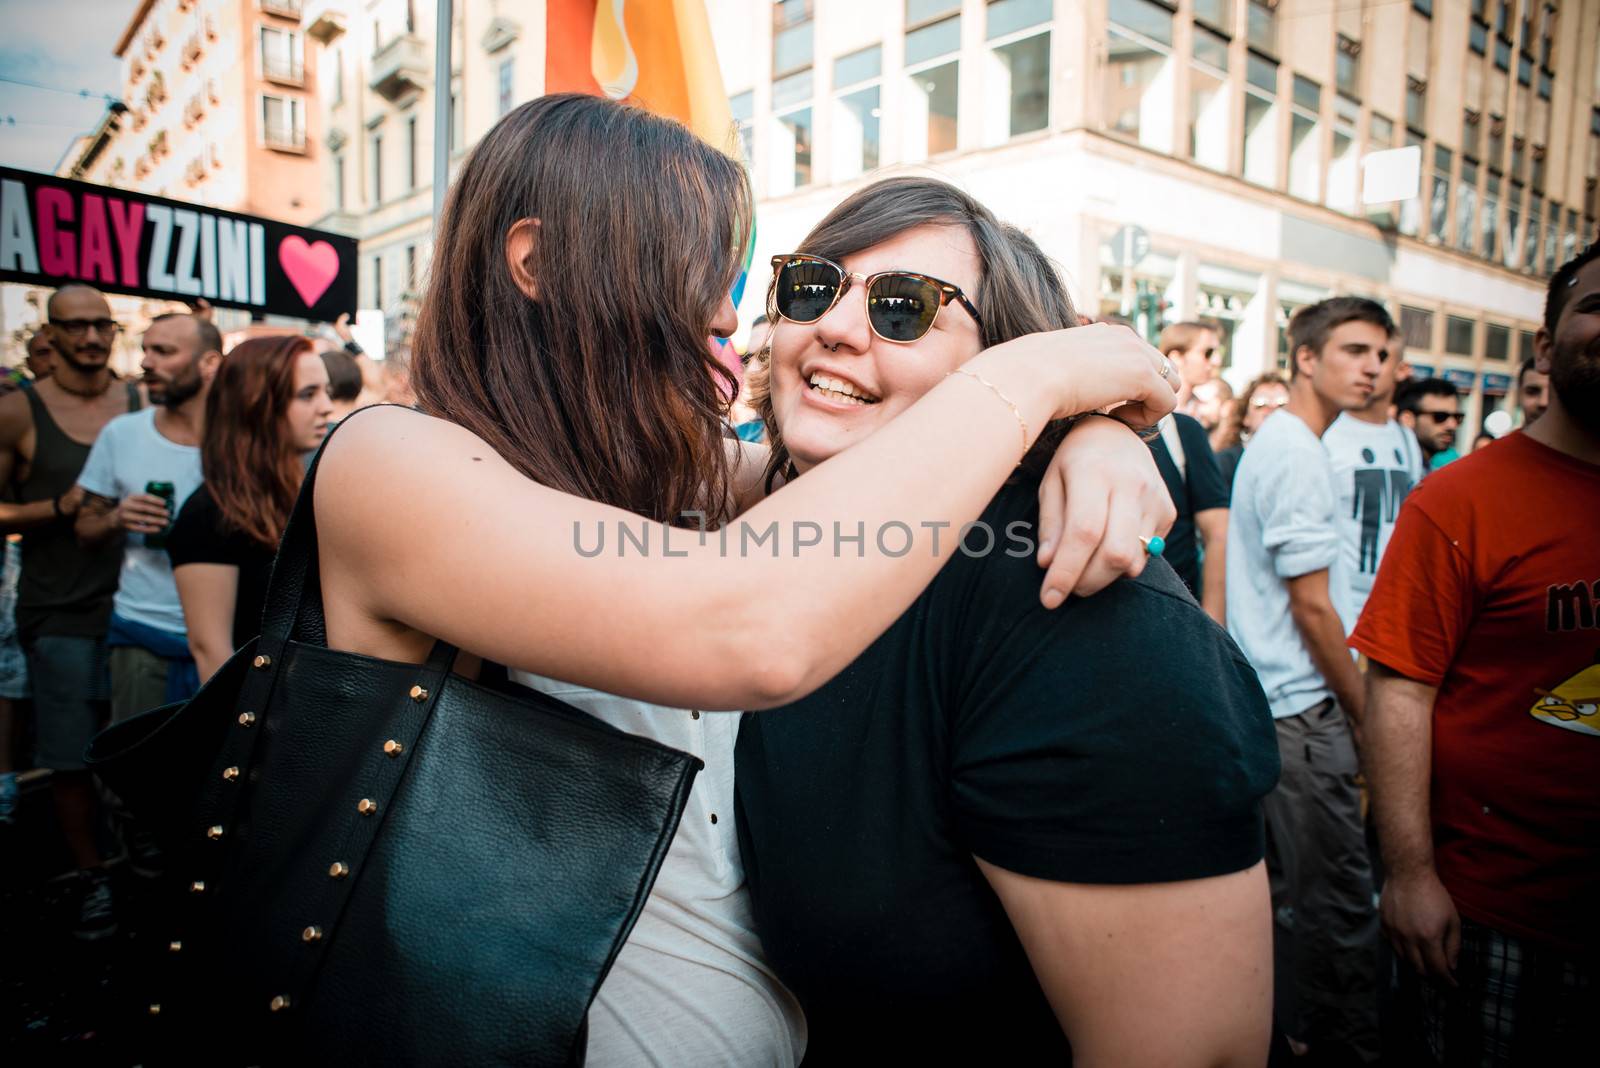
<point x="1122" y="738"/>
<point x="198" y="537"/>
<point x="1228" y="463"/>
<point x="1203" y="488"/>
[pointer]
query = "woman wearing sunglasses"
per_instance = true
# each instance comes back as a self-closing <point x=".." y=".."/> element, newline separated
<point x="997" y="811"/>
<point x="564" y="386"/>
<point x="1265" y="394"/>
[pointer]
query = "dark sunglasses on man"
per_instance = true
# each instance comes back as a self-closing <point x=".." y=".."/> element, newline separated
<point x="901" y="305"/>
<point x="1440" y="418"/>
<point x="79" y="327"/>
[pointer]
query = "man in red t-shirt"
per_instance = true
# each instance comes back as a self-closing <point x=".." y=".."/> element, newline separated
<point x="1482" y="739"/>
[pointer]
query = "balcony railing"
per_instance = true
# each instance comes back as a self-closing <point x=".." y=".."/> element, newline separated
<point x="278" y="135"/>
<point x="287" y="8"/>
<point x="399" y="68"/>
<point x="288" y="69"/>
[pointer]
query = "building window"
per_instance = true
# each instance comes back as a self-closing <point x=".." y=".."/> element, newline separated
<point x="1209" y="100"/>
<point x="377" y="168"/>
<point x="931" y="112"/>
<point x="283" y="122"/>
<point x="458" y="120"/>
<point x="507" y="85"/>
<point x="411" y="152"/>
<point x="338" y="182"/>
<point x="791" y="134"/>
<point x="1215" y="13"/>
<point x="281" y="54"/>
<point x="1261" y="25"/>
<point x="1138" y="90"/>
<point x="791" y="37"/>
<point x="1490" y="220"/>
<point x="1424" y="7"/>
<point x="1439" y="198"/>
<point x="1552" y="239"/>
<point x="338" y="76"/>
<point x="1416" y="104"/>
<point x="1536" y="178"/>
<point x="742" y="105"/>
<point x="1531" y="248"/>
<point x="1305" y="140"/>
<point x="1469" y="134"/>
<point x="1416" y="327"/>
<point x="857" y="112"/>
<point x="1008" y="16"/>
<point x="1497" y="343"/>
<point x="1261" y="120"/>
<point x="1514" y="235"/>
<point x="1347" y="66"/>
<point x="1344" y="169"/>
<point x="1569" y="237"/>
<point x="1497" y="140"/>
<point x="1466" y="205"/>
<point x="1502" y="54"/>
<point x="1478" y="37"/>
<point x="1458" y="335"/>
<point x="411" y="268"/>
<point x="1519" y="157"/>
<point x="1411" y="208"/>
<point x="1017" y="85"/>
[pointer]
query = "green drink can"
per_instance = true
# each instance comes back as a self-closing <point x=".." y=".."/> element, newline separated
<point x="166" y="491"/>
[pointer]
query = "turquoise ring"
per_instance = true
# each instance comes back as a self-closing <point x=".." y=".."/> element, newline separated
<point x="1155" y="544"/>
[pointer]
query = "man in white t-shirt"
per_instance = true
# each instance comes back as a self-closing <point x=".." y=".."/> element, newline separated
<point x="150" y="662"/>
<point x="1376" y="460"/>
<point x="1288" y="588"/>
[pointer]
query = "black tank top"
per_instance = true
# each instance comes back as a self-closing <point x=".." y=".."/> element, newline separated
<point x="65" y="590"/>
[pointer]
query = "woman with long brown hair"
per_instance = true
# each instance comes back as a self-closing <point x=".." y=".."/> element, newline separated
<point x="268" y="408"/>
<point x="565" y="391"/>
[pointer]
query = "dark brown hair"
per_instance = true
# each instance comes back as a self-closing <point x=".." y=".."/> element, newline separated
<point x="1311" y="326"/>
<point x="605" y="385"/>
<point x="1019" y="290"/>
<point x="251" y="465"/>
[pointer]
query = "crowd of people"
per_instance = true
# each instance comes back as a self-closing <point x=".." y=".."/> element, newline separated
<point x="1271" y="681"/>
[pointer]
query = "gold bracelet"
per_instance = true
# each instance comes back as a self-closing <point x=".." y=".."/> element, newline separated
<point x="1022" y="424"/>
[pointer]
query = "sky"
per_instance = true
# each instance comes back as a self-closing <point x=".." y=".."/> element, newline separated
<point x="66" y="45"/>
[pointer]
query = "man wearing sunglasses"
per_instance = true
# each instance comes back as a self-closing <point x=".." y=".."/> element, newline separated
<point x="64" y="594"/>
<point x="1431" y="409"/>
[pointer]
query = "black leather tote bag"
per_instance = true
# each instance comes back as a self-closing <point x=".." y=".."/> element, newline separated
<point x="372" y="862"/>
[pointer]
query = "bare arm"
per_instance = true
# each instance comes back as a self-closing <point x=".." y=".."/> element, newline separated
<point x="754" y="621"/>
<point x="1418" y="914"/>
<point x="208" y="593"/>
<point x="15" y="420"/>
<point x="1197" y="954"/>
<point x="1323" y="632"/>
<point x="1212" y="524"/>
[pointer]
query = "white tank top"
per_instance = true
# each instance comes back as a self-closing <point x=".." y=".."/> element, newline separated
<point x="691" y="986"/>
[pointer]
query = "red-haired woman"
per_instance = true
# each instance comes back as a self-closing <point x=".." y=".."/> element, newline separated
<point x="267" y="409"/>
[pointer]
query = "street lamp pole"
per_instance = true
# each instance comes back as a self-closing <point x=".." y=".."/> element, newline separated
<point x="442" y="111"/>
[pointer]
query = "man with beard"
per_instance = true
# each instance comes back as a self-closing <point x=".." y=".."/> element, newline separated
<point x="150" y="661"/>
<point x="1482" y="739"/>
<point x="64" y="592"/>
<point x="1431" y="409"/>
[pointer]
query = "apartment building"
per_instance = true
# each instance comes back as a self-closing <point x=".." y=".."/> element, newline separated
<point x="375" y="62"/>
<point x="217" y="108"/>
<point x="1207" y="157"/>
<point x="218" y="101"/>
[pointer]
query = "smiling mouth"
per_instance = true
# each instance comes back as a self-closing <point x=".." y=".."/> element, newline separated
<point x="840" y="391"/>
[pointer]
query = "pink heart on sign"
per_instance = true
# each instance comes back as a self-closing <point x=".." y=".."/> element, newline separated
<point x="311" y="267"/>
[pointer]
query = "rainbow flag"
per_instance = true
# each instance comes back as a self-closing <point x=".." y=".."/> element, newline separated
<point x="654" y="53"/>
<point x="657" y="54"/>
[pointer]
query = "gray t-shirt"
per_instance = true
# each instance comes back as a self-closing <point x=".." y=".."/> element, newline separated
<point x="129" y="454"/>
<point x="1282" y="526"/>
